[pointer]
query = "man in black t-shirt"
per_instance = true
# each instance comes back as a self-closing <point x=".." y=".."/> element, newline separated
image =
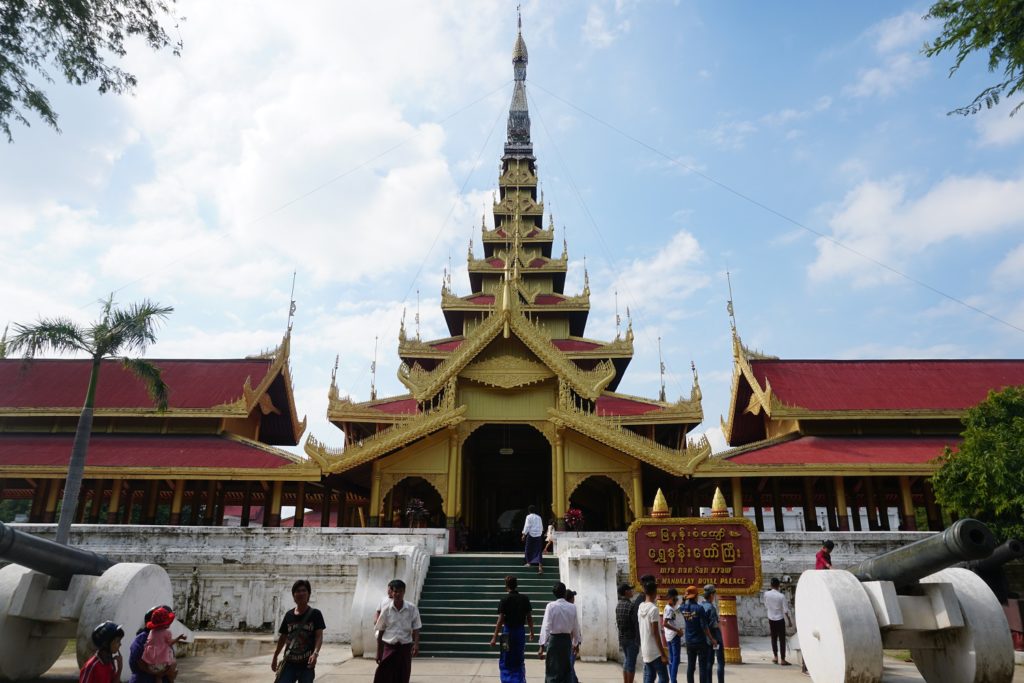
<point x="514" y="613"/>
<point x="302" y="634"/>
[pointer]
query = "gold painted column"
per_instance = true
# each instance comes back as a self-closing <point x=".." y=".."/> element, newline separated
<point x="274" y="518"/>
<point x="50" y="512"/>
<point x="839" y="484"/>
<point x="300" y="504"/>
<point x="115" y="500"/>
<point x="638" y="491"/>
<point x="211" y="503"/>
<point x="152" y="500"/>
<point x="179" y="495"/>
<point x="451" y="495"/>
<point x="737" y="497"/>
<point x="374" y="494"/>
<point x="561" y="503"/>
<point x="907" y="505"/>
<point x="728" y="622"/>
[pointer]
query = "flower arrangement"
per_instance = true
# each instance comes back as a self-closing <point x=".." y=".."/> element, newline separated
<point x="573" y="519"/>
<point x="416" y="511"/>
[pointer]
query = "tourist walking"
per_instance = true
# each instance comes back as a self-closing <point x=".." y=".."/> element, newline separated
<point x="823" y="560"/>
<point x="559" y="634"/>
<point x="696" y="636"/>
<point x="629" y="636"/>
<point x="514" y="613"/>
<point x="533" y="537"/>
<point x="142" y="672"/>
<point x="398" y="637"/>
<point x="777" y="607"/>
<point x="105" y="665"/>
<point x="717" y="653"/>
<point x="549" y="537"/>
<point x="301" y="636"/>
<point x="672" y="641"/>
<point x="570" y="597"/>
<point x="652" y="648"/>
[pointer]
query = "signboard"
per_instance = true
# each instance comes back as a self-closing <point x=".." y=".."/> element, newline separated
<point x="694" y="551"/>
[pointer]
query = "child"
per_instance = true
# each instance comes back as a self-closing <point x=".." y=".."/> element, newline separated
<point x="159" y="651"/>
<point x="549" y="539"/>
<point x="105" y="665"/>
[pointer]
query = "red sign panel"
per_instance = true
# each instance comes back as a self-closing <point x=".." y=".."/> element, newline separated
<point x="694" y="551"/>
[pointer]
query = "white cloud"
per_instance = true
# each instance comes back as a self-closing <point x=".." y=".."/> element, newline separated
<point x="731" y="134"/>
<point x="997" y="129"/>
<point x="894" y="75"/>
<point x="661" y="280"/>
<point x="897" y="41"/>
<point x="599" y="31"/>
<point x="879" y="220"/>
<point x="1010" y="271"/>
<point x="907" y="30"/>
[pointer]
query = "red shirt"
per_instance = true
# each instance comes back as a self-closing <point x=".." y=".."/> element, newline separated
<point x="823" y="560"/>
<point x="98" y="671"/>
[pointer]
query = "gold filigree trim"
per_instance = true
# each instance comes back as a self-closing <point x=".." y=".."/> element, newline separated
<point x="506" y="372"/>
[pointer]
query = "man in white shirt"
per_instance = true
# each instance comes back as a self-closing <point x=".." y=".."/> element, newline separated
<point x="398" y="637"/>
<point x="777" y="607"/>
<point x="533" y="537"/>
<point x="559" y="635"/>
<point x="652" y="650"/>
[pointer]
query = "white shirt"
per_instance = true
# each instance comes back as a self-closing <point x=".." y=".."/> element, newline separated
<point x="560" y="617"/>
<point x="776" y="604"/>
<point x="534" y="525"/>
<point x="670" y="618"/>
<point x="647" y="615"/>
<point x="398" y="624"/>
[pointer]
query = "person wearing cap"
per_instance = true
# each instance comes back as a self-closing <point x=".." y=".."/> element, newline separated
<point x="718" y="652"/>
<point x="158" y="654"/>
<point x="142" y="672"/>
<point x="696" y="636"/>
<point x="823" y="560"/>
<point x="105" y="665"/>
<point x="626" y="623"/>
<point x="652" y="647"/>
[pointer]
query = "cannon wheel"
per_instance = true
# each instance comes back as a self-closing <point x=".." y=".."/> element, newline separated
<point x="982" y="651"/>
<point x="22" y="655"/>
<point x="122" y="594"/>
<point x="839" y="636"/>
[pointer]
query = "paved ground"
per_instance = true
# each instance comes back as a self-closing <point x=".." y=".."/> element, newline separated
<point x="338" y="666"/>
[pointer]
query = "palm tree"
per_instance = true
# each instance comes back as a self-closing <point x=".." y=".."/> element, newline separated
<point x="118" y="333"/>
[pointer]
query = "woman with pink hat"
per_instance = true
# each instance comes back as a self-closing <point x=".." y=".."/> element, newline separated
<point x="158" y="654"/>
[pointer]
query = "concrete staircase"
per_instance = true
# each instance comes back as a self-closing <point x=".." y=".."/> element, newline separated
<point x="459" y="601"/>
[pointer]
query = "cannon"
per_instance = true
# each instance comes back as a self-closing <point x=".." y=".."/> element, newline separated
<point x="909" y="598"/>
<point x="52" y="593"/>
<point x="990" y="569"/>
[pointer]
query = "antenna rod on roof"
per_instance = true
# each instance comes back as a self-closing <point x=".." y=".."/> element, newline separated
<point x="373" y="372"/>
<point x="661" y="369"/>
<point x="291" y="305"/>
<point x="729" y="306"/>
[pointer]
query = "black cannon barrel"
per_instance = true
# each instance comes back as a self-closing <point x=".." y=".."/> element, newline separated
<point x="47" y="557"/>
<point x="966" y="539"/>
<point x="1008" y="551"/>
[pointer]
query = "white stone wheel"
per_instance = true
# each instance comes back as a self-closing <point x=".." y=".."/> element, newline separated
<point x="22" y="655"/>
<point x="122" y="595"/>
<point x="839" y="635"/>
<point x="982" y="651"/>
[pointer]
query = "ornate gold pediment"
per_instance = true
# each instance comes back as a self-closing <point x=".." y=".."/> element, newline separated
<point x="507" y="372"/>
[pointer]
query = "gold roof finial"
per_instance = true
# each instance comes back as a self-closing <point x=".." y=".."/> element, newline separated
<point x="291" y="305"/>
<point x="586" y="278"/>
<point x="332" y="392"/>
<point x="618" y="318"/>
<point x="718" y="506"/>
<point x="695" y="393"/>
<point x="661" y="371"/>
<point x="373" y="372"/>
<point x="469" y="252"/>
<point x="729" y="307"/>
<point x="660" y="508"/>
<point x="401" y="328"/>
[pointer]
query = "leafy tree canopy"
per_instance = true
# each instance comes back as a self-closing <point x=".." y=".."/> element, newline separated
<point x="972" y="25"/>
<point x="77" y="37"/>
<point x="984" y="479"/>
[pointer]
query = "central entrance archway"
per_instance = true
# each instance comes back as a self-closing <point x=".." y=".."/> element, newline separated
<point x="506" y="467"/>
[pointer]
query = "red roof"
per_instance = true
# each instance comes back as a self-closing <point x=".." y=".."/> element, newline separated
<point x="549" y="299"/>
<point x="151" y="451"/>
<point x="575" y="345"/>
<point x="448" y="345"/>
<point x="481" y="299"/>
<point x="537" y="262"/>
<point x="848" y="451"/>
<point x="616" y="405"/>
<point x="52" y="383"/>
<point x="496" y="262"/>
<point x="886" y="384"/>
<point x="405" y="406"/>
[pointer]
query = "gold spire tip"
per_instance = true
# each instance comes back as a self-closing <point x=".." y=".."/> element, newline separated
<point x="718" y="503"/>
<point x="660" y="508"/>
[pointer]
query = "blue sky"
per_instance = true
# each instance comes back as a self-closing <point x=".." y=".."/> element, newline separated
<point x="358" y="145"/>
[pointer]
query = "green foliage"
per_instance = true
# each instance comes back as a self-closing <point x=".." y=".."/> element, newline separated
<point x="77" y="37"/>
<point x="10" y="508"/>
<point x="972" y="25"/>
<point x="984" y="479"/>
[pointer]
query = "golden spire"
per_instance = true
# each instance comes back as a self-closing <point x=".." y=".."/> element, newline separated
<point x="718" y="506"/>
<point x="373" y="372"/>
<point x="401" y="328"/>
<point x="660" y="508"/>
<point x="661" y="371"/>
<point x="333" y="391"/>
<point x="469" y="252"/>
<point x="695" y="393"/>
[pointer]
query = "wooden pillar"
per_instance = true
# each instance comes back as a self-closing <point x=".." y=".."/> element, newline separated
<point x="179" y="496"/>
<point x="115" y="500"/>
<point x="759" y="505"/>
<point x="129" y="502"/>
<point x="342" y="502"/>
<point x="780" y="524"/>
<point x="274" y="518"/>
<point x="809" y="509"/>
<point x="97" y="500"/>
<point x="872" y="505"/>
<point x="831" y="511"/>
<point x="246" y="505"/>
<point x="211" y="503"/>
<point x="222" y="492"/>
<point x="737" y="497"/>
<point x="83" y="499"/>
<point x="35" y="513"/>
<point x="839" y="486"/>
<point x="907" y="505"/>
<point x="638" y="490"/>
<point x="931" y="509"/>
<point x="152" y="499"/>
<point x="300" y="504"/>
<point x="451" y="494"/>
<point x="50" y="511"/>
<point x="882" y="496"/>
<point x="561" y="500"/>
<point x="375" y="502"/>
<point x="325" y="505"/>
